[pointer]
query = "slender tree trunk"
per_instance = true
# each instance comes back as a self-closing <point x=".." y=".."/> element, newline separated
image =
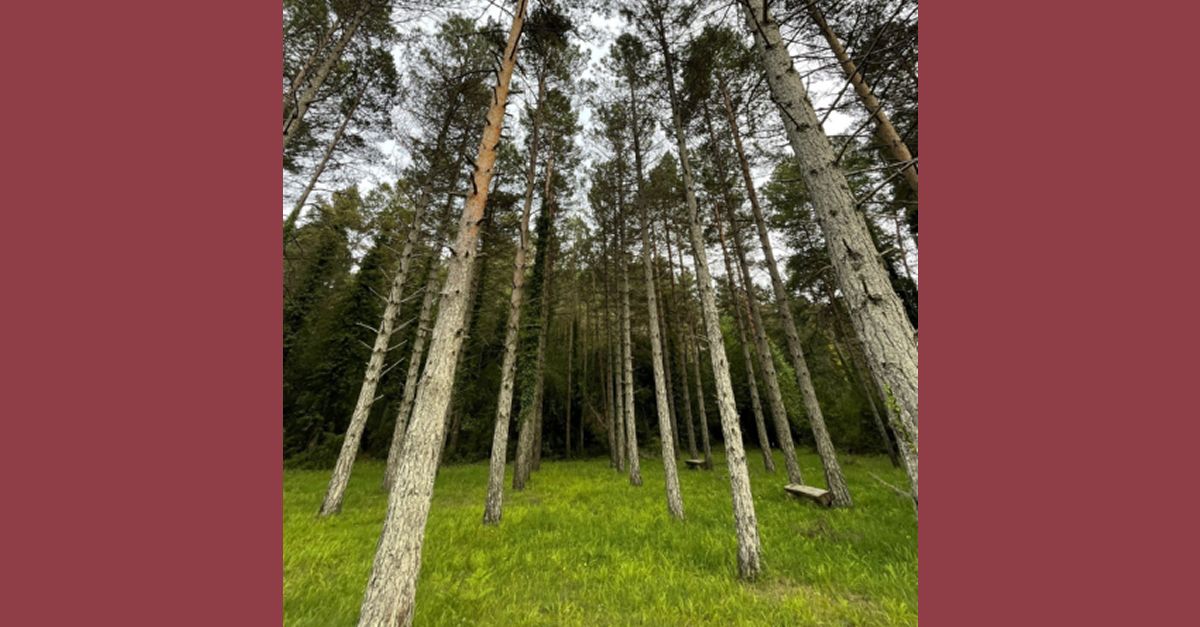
<point x="410" y="380"/>
<point x="739" y="317"/>
<point x="856" y="374"/>
<point x="366" y="396"/>
<point x="884" y="130"/>
<point x="289" y="225"/>
<point x="816" y="418"/>
<point x="878" y="315"/>
<point x="766" y="360"/>
<point x="704" y="436"/>
<point x="495" y="493"/>
<point x="393" y="582"/>
<point x="296" y="115"/>
<point x="631" y="445"/>
<point x="665" y="334"/>
<point x="570" y="371"/>
<point x="528" y="443"/>
<point x="745" y="521"/>
<point x="681" y="352"/>
<point x="296" y="82"/>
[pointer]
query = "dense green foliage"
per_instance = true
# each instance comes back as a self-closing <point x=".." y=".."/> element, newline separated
<point x="582" y="547"/>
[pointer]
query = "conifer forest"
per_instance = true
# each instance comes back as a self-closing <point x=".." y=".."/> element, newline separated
<point x="600" y="313"/>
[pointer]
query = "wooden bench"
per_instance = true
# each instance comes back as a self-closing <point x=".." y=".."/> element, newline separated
<point x="694" y="464"/>
<point x="823" y="497"/>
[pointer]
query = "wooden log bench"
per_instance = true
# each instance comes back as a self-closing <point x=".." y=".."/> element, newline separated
<point x="694" y="464"/>
<point x="822" y="497"/>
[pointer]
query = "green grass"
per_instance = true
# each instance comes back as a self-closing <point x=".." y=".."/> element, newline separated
<point x="580" y="546"/>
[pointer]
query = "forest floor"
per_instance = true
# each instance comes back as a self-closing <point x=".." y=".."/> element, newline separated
<point x="580" y="546"/>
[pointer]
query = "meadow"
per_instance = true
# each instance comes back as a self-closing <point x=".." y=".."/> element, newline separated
<point x="580" y="546"/>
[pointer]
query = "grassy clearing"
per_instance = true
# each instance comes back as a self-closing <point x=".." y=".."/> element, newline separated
<point x="582" y="547"/>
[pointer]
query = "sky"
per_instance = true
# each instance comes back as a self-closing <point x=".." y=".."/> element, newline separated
<point x="823" y="87"/>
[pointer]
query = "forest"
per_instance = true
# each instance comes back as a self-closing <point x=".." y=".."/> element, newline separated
<point x="600" y="313"/>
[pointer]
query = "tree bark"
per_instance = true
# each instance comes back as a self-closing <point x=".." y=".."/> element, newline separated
<point x="884" y="130"/>
<point x="834" y="478"/>
<point x="393" y="582"/>
<point x="410" y="379"/>
<point x="292" y="123"/>
<point x="766" y="359"/>
<point x="631" y="445"/>
<point x="570" y="372"/>
<point x="366" y="396"/>
<point x="877" y="313"/>
<point x="528" y="442"/>
<point x="681" y="353"/>
<point x="745" y="521"/>
<point x="739" y="317"/>
<point x="289" y="225"/>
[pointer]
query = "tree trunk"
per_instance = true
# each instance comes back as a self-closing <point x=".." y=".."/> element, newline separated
<point x="289" y="225"/>
<point x="816" y="418"/>
<point x="665" y="334"/>
<point x="739" y="317"/>
<point x="393" y="582"/>
<point x="631" y="445"/>
<point x="366" y="396"/>
<point x="681" y="353"/>
<point x="410" y="380"/>
<point x="766" y="359"/>
<point x="665" y="428"/>
<point x="495" y="494"/>
<point x="570" y="371"/>
<point x="887" y="134"/>
<point x="878" y="315"/>
<point x="531" y="412"/>
<point x="292" y="123"/>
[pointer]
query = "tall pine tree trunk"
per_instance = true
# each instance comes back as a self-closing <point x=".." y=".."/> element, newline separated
<point x="392" y="586"/>
<point x="681" y="353"/>
<point x="877" y="313"/>
<point x="410" y="379"/>
<point x="631" y="445"/>
<point x="366" y="396"/>
<point x="570" y="372"/>
<point x="531" y="404"/>
<point x="766" y="359"/>
<point x="739" y="316"/>
<point x="289" y="225"/>
<point x="745" y="521"/>
<point x="884" y="130"/>
<point x="808" y="394"/>
<point x="296" y="114"/>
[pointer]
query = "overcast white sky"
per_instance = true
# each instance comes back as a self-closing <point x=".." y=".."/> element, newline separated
<point x="823" y="87"/>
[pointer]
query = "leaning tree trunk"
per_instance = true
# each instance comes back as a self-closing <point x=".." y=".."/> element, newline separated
<point x="766" y="360"/>
<point x="296" y="115"/>
<point x="745" y="521"/>
<point x="366" y="396"/>
<point x="289" y="225"/>
<point x="393" y="583"/>
<point x="692" y="354"/>
<point x="808" y="394"/>
<point x="897" y="149"/>
<point x="878" y="315"/>
<point x="410" y="379"/>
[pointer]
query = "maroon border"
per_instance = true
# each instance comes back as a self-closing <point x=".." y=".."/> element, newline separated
<point x="140" y="252"/>
<point x="141" y="333"/>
